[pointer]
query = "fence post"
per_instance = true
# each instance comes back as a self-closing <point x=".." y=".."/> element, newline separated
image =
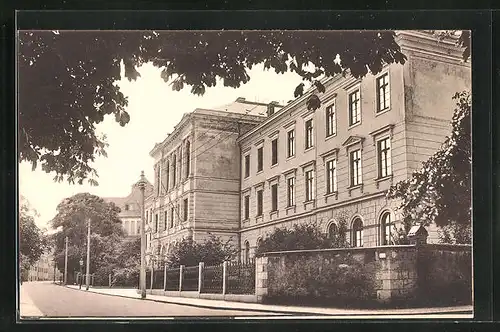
<point x="201" y="265"/>
<point x="165" y="278"/>
<point x="181" y="276"/>
<point x="109" y="280"/>
<point x="224" y="278"/>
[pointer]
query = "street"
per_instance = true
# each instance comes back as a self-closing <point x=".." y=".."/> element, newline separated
<point x="57" y="301"/>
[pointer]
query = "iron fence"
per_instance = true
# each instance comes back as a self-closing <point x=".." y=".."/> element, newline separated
<point x="173" y="279"/>
<point x="212" y="279"/>
<point x="241" y="277"/>
<point x="190" y="278"/>
<point x="158" y="278"/>
<point x="148" y="279"/>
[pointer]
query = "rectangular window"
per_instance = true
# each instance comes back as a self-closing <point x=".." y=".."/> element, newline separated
<point x="384" y="157"/>
<point x="291" y="191"/>
<point x="309" y="133"/>
<point x="354" y="108"/>
<point x="331" y="176"/>
<point x="185" y="209"/>
<point x="174" y="171"/>
<point x="259" y="202"/>
<point x="383" y="93"/>
<point x="260" y="158"/>
<point x="158" y="180"/>
<point x="165" y="221"/>
<point x="274" y="151"/>
<point x="291" y="143"/>
<point x="274" y="197"/>
<point x="156" y="222"/>
<point x="309" y="186"/>
<point x="355" y="167"/>
<point x="247" y="165"/>
<point x="331" y="121"/>
<point x="247" y="207"/>
<point x="172" y="216"/>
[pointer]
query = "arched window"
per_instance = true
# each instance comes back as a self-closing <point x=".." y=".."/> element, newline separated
<point x="385" y="229"/>
<point x="332" y="230"/>
<point x="357" y="233"/>
<point x="246" y="254"/>
<point x="188" y="158"/>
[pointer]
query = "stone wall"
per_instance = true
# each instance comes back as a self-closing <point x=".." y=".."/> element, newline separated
<point x="408" y="274"/>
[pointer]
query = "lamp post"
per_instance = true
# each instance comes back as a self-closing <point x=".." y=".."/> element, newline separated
<point x="87" y="274"/>
<point x="142" y="276"/>
<point x="81" y="274"/>
<point x="66" y="261"/>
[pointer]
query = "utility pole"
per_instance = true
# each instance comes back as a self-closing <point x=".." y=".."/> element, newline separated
<point x="87" y="281"/>
<point x="66" y="261"/>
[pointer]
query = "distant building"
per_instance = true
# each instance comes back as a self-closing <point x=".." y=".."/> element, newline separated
<point x="130" y="206"/>
<point x="197" y="175"/>
<point x="43" y="269"/>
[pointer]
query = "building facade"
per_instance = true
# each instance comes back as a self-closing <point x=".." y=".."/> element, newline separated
<point x="130" y="209"/>
<point x="197" y="176"/>
<point x="44" y="269"/>
<point x="242" y="170"/>
<point x="370" y="133"/>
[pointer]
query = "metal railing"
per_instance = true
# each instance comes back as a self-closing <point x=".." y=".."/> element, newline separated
<point x="212" y="279"/>
<point x="158" y="275"/>
<point x="241" y="277"/>
<point x="173" y="279"/>
<point x="190" y="278"/>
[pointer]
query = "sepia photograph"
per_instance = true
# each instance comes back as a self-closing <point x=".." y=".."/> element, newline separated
<point x="244" y="174"/>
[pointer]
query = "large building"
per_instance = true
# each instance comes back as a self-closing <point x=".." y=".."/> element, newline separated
<point x="130" y="208"/>
<point x="197" y="176"/>
<point x="286" y="165"/>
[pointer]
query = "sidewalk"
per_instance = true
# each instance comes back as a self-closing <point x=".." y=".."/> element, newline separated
<point x="27" y="308"/>
<point x="441" y="312"/>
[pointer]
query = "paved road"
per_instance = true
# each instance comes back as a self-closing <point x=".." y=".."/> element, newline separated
<point x="57" y="301"/>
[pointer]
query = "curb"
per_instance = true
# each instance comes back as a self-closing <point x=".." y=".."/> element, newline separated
<point x="207" y="306"/>
<point x="300" y="313"/>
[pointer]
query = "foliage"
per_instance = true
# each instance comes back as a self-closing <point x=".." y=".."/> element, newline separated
<point x="71" y="77"/>
<point x="32" y="243"/>
<point x="340" y="238"/>
<point x="212" y="251"/>
<point x="303" y="236"/>
<point x="340" y="280"/>
<point x="72" y="216"/>
<point x="440" y="191"/>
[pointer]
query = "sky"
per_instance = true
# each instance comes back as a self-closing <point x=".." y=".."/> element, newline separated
<point x="154" y="110"/>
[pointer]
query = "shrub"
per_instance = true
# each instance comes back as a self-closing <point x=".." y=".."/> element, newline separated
<point x="318" y="280"/>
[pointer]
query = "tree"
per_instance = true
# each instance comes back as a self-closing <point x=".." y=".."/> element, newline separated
<point x="212" y="251"/>
<point x="31" y="240"/>
<point x="67" y="79"/>
<point x="300" y="237"/>
<point x="72" y="216"/>
<point x="440" y="191"/>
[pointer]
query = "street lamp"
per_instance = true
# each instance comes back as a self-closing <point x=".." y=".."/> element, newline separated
<point x="81" y="273"/>
<point x="142" y="276"/>
<point x="87" y="276"/>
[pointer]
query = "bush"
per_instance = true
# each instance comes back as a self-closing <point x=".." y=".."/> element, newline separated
<point x="315" y="280"/>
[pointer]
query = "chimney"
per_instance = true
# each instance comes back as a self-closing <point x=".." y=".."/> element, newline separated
<point x="270" y="107"/>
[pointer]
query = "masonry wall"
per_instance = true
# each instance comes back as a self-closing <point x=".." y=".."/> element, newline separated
<point x="400" y="274"/>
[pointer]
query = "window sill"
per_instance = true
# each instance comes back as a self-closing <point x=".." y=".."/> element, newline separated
<point x="354" y="125"/>
<point x="382" y="179"/>
<point x="290" y="157"/>
<point x="333" y="194"/>
<point x="330" y="136"/>
<point x="274" y="214"/>
<point x="377" y="113"/>
<point x="258" y="172"/>
<point x="259" y="218"/>
<point x="358" y="186"/>
<point x="309" y="148"/>
<point x="311" y="202"/>
<point x="275" y="165"/>
<point x="290" y="209"/>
